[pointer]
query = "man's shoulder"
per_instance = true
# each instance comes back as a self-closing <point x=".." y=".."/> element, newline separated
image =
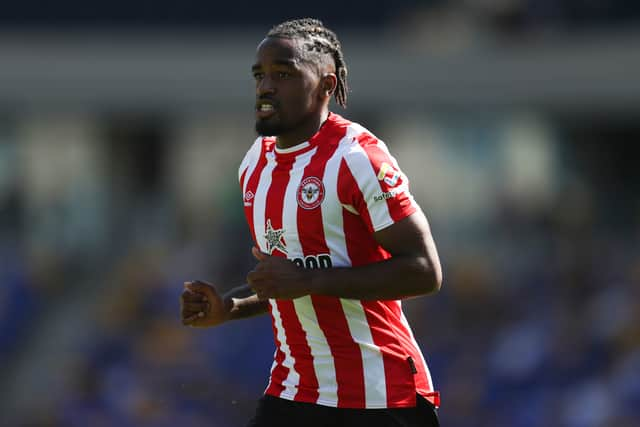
<point x="355" y="133"/>
<point x="261" y="144"/>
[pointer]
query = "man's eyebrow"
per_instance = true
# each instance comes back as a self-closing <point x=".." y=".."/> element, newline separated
<point x="284" y="62"/>
<point x="287" y="62"/>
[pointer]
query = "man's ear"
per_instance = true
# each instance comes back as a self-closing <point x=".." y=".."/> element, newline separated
<point x="329" y="83"/>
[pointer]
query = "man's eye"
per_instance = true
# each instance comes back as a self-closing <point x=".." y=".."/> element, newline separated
<point x="284" y="75"/>
<point x="258" y="76"/>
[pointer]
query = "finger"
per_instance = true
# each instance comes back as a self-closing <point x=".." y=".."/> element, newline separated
<point x="190" y="319"/>
<point x="199" y="287"/>
<point x="196" y="306"/>
<point x="259" y="255"/>
<point x="256" y="288"/>
<point x="189" y="296"/>
<point x="254" y="277"/>
<point x="262" y="295"/>
<point x="184" y="314"/>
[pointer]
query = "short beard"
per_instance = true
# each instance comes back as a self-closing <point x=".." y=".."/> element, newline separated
<point x="264" y="128"/>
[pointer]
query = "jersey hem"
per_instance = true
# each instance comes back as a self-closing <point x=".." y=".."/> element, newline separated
<point x="333" y="404"/>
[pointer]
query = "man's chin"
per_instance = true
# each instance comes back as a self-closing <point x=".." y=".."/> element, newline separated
<point x="267" y="128"/>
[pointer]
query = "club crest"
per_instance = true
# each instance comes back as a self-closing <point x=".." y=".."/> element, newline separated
<point x="310" y="193"/>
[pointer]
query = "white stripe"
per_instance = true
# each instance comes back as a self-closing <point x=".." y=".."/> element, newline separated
<point x="332" y="209"/>
<point x="260" y="204"/>
<point x="259" y="207"/>
<point x="404" y="187"/>
<point x="405" y="322"/>
<point x="290" y="206"/>
<point x="293" y="379"/>
<point x="323" y="364"/>
<point x="259" y="220"/>
<point x="373" y="364"/>
<point x="273" y="366"/>
<point x="249" y="163"/>
<point x="365" y="176"/>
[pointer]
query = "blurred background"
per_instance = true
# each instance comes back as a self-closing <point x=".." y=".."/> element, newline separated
<point x="122" y="125"/>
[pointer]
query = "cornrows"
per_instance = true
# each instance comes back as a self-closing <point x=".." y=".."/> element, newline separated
<point x="321" y="40"/>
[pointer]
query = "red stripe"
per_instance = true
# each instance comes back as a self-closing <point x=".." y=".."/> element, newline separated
<point x="361" y="245"/>
<point x="279" y="372"/>
<point x="397" y="370"/>
<point x="252" y="186"/>
<point x="401" y="205"/>
<point x="423" y="385"/>
<point x="300" y="351"/>
<point x="331" y="318"/>
<point x="244" y="173"/>
<point x="346" y="354"/>
<point x="310" y="223"/>
<point x="349" y="193"/>
<point x="312" y="241"/>
<point x="383" y="319"/>
<point x="274" y="202"/>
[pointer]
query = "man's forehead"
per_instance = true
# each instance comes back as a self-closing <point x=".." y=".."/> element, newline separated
<point x="292" y="51"/>
<point x="280" y="49"/>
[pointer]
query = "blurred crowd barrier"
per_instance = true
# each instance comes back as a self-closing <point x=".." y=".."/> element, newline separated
<point x="118" y="182"/>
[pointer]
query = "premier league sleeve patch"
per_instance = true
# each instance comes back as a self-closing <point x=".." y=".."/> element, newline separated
<point x="310" y="193"/>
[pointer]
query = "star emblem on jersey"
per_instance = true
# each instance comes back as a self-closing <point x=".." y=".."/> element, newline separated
<point x="310" y="193"/>
<point x="275" y="239"/>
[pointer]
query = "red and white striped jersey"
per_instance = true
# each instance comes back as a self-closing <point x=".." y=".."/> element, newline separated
<point x="318" y="204"/>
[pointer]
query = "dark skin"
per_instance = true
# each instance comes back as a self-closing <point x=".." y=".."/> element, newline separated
<point x="299" y="92"/>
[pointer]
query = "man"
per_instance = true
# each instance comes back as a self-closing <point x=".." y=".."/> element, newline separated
<point x="339" y="242"/>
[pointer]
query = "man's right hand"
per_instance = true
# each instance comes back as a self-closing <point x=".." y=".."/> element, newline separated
<point x="201" y="306"/>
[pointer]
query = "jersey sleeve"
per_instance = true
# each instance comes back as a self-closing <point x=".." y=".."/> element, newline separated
<point x="372" y="184"/>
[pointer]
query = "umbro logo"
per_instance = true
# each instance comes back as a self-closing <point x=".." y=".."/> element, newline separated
<point x="248" y="197"/>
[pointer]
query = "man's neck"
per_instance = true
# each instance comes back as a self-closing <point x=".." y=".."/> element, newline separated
<point x="304" y="133"/>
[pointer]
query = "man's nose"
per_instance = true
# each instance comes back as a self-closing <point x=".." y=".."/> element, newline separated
<point x="265" y="86"/>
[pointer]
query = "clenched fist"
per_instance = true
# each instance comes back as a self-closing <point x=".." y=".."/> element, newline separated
<point x="201" y="306"/>
<point x="276" y="277"/>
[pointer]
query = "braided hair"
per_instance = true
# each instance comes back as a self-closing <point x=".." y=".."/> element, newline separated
<point x="321" y="40"/>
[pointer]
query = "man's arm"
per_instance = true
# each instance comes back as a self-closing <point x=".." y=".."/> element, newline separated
<point x="413" y="270"/>
<point x="202" y="306"/>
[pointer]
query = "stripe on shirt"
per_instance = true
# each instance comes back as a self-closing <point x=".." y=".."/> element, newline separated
<point x="284" y="378"/>
<point x="365" y="177"/>
<point x="307" y="390"/>
<point x="312" y="243"/>
<point x="372" y="364"/>
<point x="372" y="360"/>
<point x="422" y="366"/>
<point x="283" y="373"/>
<point x="331" y="208"/>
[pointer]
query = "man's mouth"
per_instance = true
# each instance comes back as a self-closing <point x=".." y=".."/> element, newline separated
<point x="265" y="109"/>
